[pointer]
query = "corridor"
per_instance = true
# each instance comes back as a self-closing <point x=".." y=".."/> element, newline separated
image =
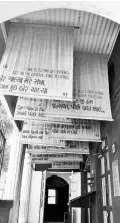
<point x="59" y="112"/>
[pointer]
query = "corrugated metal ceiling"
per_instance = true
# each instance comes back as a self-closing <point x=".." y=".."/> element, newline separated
<point x="93" y="33"/>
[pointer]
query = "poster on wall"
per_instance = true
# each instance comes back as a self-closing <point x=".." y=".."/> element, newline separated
<point x="50" y="158"/>
<point x="35" y="60"/>
<point x="66" y="165"/>
<point x="116" y="178"/>
<point x="90" y="93"/>
<point x="38" y="133"/>
<point x="70" y="147"/>
<point x="83" y="130"/>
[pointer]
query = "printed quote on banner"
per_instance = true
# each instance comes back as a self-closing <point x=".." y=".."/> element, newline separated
<point x="42" y="133"/>
<point x="91" y="95"/>
<point x="70" y="147"/>
<point x="38" y="61"/>
<point x="50" y="158"/>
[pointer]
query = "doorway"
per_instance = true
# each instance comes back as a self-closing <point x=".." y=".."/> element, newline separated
<point x="56" y="199"/>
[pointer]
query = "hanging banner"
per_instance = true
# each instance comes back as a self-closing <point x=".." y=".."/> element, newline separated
<point x="66" y="165"/>
<point x="50" y="158"/>
<point x="91" y="94"/>
<point x="38" y="133"/>
<point x="33" y="109"/>
<point x="91" y="87"/>
<point x="83" y="130"/>
<point x="70" y="147"/>
<point x="38" y="62"/>
<point x="51" y="134"/>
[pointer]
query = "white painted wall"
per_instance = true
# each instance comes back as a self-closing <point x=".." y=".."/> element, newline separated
<point x="75" y="185"/>
<point x="34" y="205"/>
<point x="76" y="192"/>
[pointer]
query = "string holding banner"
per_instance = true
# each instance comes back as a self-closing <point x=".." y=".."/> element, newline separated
<point x="90" y="93"/>
<point x="35" y="60"/>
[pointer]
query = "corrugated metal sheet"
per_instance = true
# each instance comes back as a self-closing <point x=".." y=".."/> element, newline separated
<point x="94" y="34"/>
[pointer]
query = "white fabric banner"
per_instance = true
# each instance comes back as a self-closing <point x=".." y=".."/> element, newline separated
<point x="66" y="165"/>
<point x="83" y="130"/>
<point x="70" y="147"/>
<point x="34" y="109"/>
<point x="50" y="158"/>
<point x="91" y="94"/>
<point x="38" y="133"/>
<point x="51" y="134"/>
<point x="38" y="62"/>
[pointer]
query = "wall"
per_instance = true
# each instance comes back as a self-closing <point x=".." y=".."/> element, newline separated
<point x="34" y="205"/>
<point x="76" y="192"/>
<point x="113" y="129"/>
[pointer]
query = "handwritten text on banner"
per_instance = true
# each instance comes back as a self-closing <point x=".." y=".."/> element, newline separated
<point x="71" y="147"/>
<point x="83" y="130"/>
<point x="50" y="158"/>
<point x="66" y="165"/>
<point x="35" y="60"/>
<point x="38" y="133"/>
<point x="48" y="134"/>
<point x="90" y="92"/>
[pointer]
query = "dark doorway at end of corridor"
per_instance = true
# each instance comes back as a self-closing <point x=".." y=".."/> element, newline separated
<point x="56" y="199"/>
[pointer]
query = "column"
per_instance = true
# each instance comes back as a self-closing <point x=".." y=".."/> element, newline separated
<point x="25" y="190"/>
<point x="14" y="174"/>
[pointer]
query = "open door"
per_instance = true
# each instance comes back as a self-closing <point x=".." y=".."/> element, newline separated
<point x="42" y="196"/>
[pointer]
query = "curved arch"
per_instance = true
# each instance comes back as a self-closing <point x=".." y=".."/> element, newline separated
<point x="57" y="177"/>
<point x="10" y="9"/>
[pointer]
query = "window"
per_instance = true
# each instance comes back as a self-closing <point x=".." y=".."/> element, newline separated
<point x="51" y="196"/>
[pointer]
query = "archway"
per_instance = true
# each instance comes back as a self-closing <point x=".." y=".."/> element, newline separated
<point x="56" y="199"/>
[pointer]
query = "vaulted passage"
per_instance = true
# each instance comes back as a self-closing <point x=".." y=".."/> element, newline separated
<point x="56" y="199"/>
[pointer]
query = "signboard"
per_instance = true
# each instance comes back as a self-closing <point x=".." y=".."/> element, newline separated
<point x="35" y="60"/>
<point x="90" y="92"/>
<point x="34" y="109"/>
<point x="70" y="147"/>
<point x="116" y="179"/>
<point x="50" y="158"/>
<point x="51" y="134"/>
<point x="66" y="165"/>
<point x="38" y="133"/>
<point x="83" y="130"/>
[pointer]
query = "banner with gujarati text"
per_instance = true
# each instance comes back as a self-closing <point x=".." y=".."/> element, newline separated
<point x="66" y="165"/>
<point x="90" y="93"/>
<point x="50" y="134"/>
<point x="35" y="60"/>
<point x="70" y="147"/>
<point x="50" y="158"/>
<point x="38" y="133"/>
<point x="83" y="130"/>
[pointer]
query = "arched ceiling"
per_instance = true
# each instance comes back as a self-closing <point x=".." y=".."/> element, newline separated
<point x="108" y="9"/>
<point x="92" y="33"/>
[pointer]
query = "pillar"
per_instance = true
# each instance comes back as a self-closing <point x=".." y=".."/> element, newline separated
<point x="25" y="190"/>
<point x="14" y="174"/>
